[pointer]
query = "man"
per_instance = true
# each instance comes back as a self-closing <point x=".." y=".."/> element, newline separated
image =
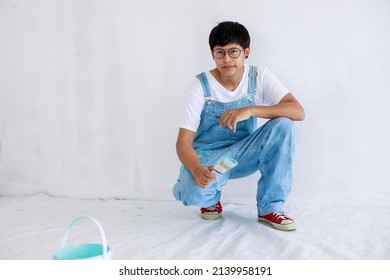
<point x="220" y="121"/>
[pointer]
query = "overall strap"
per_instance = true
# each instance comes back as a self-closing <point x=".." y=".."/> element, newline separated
<point x="252" y="80"/>
<point x="205" y="84"/>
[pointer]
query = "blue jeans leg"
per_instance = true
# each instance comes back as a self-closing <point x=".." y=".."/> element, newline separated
<point x="270" y="150"/>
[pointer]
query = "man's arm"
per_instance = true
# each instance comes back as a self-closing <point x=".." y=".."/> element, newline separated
<point x="288" y="107"/>
<point x="187" y="155"/>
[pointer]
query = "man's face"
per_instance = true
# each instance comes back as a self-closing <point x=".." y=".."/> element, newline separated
<point x="230" y="59"/>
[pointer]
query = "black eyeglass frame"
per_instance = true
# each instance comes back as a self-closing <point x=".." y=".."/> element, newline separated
<point x="228" y="52"/>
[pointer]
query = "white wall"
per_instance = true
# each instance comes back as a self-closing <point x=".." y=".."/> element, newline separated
<point x="90" y="93"/>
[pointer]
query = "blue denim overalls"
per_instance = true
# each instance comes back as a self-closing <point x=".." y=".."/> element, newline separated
<point x="269" y="149"/>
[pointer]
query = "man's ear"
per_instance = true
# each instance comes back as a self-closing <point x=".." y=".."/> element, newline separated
<point x="247" y="52"/>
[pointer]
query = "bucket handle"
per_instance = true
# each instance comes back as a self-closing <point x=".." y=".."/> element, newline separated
<point x="103" y="236"/>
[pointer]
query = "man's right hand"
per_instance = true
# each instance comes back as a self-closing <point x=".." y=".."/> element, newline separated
<point x="203" y="176"/>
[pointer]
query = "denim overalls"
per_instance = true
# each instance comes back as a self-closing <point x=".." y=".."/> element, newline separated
<point x="269" y="149"/>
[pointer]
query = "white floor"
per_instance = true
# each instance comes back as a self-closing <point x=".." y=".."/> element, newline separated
<point x="32" y="227"/>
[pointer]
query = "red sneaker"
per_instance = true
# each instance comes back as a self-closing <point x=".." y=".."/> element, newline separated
<point x="213" y="212"/>
<point x="278" y="220"/>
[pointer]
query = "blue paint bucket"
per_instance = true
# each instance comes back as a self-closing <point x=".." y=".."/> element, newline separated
<point x="88" y="251"/>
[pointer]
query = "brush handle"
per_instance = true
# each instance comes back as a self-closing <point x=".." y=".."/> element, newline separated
<point x="225" y="165"/>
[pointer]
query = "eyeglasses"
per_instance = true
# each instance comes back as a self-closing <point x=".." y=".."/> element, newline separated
<point x="220" y="53"/>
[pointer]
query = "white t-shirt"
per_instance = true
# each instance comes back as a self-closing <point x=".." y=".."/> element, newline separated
<point x="269" y="91"/>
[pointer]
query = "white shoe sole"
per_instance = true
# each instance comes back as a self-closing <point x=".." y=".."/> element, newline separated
<point x="286" y="227"/>
<point x="211" y="216"/>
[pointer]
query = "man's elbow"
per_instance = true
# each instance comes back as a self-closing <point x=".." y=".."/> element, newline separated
<point x="300" y="115"/>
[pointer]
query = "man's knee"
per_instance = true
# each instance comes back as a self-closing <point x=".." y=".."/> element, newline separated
<point x="186" y="191"/>
<point x="191" y="194"/>
<point x="282" y="123"/>
<point x="284" y="126"/>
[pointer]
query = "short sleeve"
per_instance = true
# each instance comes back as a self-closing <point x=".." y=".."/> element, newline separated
<point x="193" y="106"/>
<point x="271" y="88"/>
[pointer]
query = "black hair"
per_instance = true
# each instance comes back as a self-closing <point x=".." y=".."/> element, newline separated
<point x="229" y="32"/>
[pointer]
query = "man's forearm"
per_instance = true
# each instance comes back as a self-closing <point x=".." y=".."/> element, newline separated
<point x="275" y="111"/>
<point x="289" y="108"/>
<point x="188" y="157"/>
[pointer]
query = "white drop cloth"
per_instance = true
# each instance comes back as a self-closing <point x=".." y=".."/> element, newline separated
<point x="32" y="227"/>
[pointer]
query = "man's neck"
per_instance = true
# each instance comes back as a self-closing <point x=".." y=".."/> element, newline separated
<point x="228" y="82"/>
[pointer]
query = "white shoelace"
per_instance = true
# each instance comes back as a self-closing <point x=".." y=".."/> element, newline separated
<point x="280" y="215"/>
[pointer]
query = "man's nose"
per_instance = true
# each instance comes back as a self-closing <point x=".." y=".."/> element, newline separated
<point x="227" y="57"/>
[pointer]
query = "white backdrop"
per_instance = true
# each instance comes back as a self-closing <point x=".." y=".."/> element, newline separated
<point x="91" y="93"/>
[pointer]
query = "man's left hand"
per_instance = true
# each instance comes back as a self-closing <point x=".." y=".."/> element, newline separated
<point x="231" y="117"/>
